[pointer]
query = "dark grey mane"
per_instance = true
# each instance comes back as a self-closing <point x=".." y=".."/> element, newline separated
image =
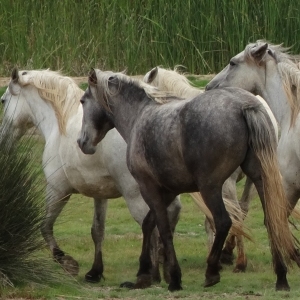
<point x="103" y="90"/>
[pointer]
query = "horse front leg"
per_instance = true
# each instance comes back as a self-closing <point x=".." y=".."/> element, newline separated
<point x="212" y="197"/>
<point x="97" y="232"/>
<point x="55" y="203"/>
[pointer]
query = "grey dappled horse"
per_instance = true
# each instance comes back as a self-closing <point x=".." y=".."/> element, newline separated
<point x="173" y="81"/>
<point x="50" y="101"/>
<point x="188" y="146"/>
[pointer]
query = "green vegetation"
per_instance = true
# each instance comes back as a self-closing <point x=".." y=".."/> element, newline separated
<point x="22" y="211"/>
<point x="122" y="247"/>
<point x="138" y="34"/>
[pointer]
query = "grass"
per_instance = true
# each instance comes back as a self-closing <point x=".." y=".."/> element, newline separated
<point x="122" y="247"/>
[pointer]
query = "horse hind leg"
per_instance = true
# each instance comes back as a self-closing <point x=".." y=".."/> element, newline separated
<point x="173" y="215"/>
<point x="158" y="201"/>
<point x="212" y="197"/>
<point x="144" y="275"/>
<point x="227" y="256"/>
<point x="97" y="232"/>
<point x="247" y="196"/>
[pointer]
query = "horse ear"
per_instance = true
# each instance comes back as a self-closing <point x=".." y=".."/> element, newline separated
<point x="15" y="75"/>
<point x="152" y="74"/>
<point x="113" y="82"/>
<point x="259" y="51"/>
<point x="92" y="77"/>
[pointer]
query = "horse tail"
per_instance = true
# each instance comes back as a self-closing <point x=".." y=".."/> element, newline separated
<point x="263" y="141"/>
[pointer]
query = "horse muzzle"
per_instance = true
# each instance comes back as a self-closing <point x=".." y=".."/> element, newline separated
<point x="85" y="147"/>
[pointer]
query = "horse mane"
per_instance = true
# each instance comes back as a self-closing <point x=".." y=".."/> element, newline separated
<point x="61" y="91"/>
<point x="289" y="70"/>
<point x="173" y="80"/>
<point x="103" y="91"/>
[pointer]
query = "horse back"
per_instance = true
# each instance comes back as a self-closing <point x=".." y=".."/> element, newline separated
<point x="177" y="142"/>
<point x="215" y="132"/>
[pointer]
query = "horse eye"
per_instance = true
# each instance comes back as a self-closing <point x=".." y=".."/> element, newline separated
<point x="24" y="73"/>
<point x="81" y="101"/>
<point x="232" y="63"/>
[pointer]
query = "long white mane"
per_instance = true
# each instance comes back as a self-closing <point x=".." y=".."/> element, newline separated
<point x="288" y="67"/>
<point x="61" y="91"/>
<point x="172" y="80"/>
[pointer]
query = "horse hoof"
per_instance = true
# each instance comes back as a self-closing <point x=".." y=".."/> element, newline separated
<point x="282" y="287"/>
<point x="212" y="281"/>
<point x="173" y="287"/>
<point x="92" y="278"/>
<point x="239" y="269"/>
<point x="127" y="284"/>
<point x="143" y="281"/>
<point x="70" y="265"/>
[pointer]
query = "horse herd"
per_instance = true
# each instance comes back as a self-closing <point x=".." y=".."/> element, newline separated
<point x="151" y="140"/>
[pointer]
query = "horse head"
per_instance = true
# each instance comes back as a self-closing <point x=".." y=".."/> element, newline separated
<point x="16" y="110"/>
<point x="246" y="69"/>
<point x="96" y="121"/>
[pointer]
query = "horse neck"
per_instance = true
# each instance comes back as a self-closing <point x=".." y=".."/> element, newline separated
<point x="126" y="110"/>
<point x="42" y="112"/>
<point x="274" y="93"/>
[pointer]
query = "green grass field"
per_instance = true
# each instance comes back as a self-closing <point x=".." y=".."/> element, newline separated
<point x="121" y="251"/>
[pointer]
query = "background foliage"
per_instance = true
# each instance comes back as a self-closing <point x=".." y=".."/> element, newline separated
<point x="202" y="35"/>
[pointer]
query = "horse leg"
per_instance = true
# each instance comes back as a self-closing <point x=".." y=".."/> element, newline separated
<point x="229" y="192"/>
<point x="158" y="200"/>
<point x="210" y="232"/>
<point x="173" y="214"/>
<point x="54" y="205"/>
<point x="144" y="275"/>
<point x="212" y="197"/>
<point x="139" y="209"/>
<point x="247" y="196"/>
<point x="97" y="231"/>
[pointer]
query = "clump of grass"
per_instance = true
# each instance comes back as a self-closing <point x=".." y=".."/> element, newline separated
<point x="21" y="214"/>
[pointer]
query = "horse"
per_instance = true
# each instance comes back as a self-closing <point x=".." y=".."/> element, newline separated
<point x="270" y="71"/>
<point x="50" y="102"/>
<point x="172" y="80"/>
<point x="187" y="146"/>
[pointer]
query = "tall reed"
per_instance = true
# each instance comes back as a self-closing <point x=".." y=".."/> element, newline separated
<point x="138" y="34"/>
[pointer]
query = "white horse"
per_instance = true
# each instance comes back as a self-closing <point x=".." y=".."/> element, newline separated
<point x="172" y="80"/>
<point x="269" y="71"/>
<point x="51" y="102"/>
